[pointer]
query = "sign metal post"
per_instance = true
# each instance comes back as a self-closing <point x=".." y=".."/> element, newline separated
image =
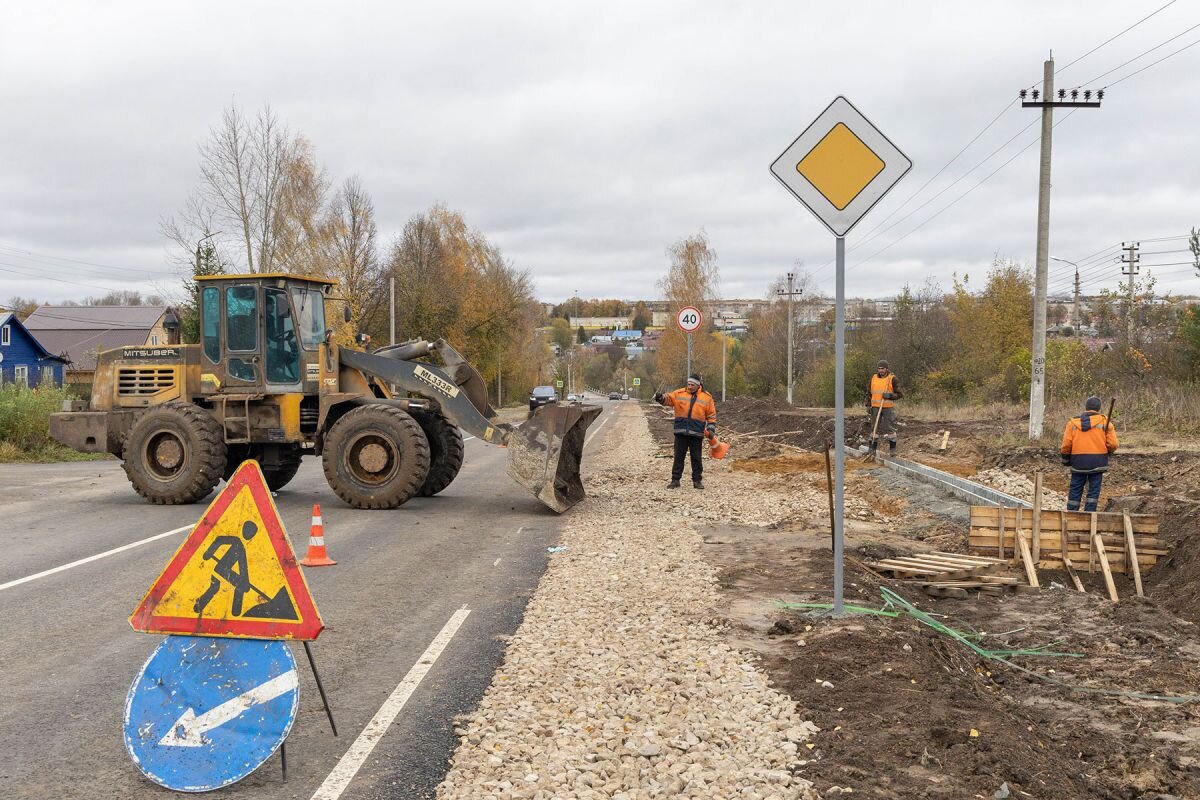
<point x="689" y="320"/>
<point x="840" y="167"/>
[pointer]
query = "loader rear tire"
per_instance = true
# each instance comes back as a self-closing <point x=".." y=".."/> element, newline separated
<point x="281" y="475"/>
<point x="376" y="456"/>
<point x="174" y="454"/>
<point x="445" y="451"/>
<point x="277" y="475"/>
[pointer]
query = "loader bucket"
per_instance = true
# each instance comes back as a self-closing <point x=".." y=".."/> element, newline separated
<point x="545" y="452"/>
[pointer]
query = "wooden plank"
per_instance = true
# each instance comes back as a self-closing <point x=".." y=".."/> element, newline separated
<point x="1000" y="532"/>
<point x="945" y="441"/>
<point x="1036" y="525"/>
<point x="1070" y="568"/>
<point x="1131" y="559"/>
<point x="986" y="540"/>
<point x="1062" y="539"/>
<point x="1092" y="545"/>
<point x="1110" y="521"/>
<point x="952" y="592"/>
<point x="1108" y="579"/>
<point x="1027" y="559"/>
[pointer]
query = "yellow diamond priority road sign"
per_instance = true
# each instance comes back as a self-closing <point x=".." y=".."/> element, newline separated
<point x="841" y="166"/>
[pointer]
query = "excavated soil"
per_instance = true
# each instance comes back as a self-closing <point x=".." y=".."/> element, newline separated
<point x="907" y="711"/>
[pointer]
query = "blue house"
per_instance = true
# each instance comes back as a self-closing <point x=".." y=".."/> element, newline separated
<point x="23" y="359"/>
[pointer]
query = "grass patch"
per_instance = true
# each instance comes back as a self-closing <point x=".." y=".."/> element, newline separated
<point x="25" y="426"/>
<point x="10" y="454"/>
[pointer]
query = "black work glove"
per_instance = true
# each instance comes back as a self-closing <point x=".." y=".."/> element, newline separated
<point x="889" y="396"/>
<point x="658" y="397"/>
<point x="1066" y="460"/>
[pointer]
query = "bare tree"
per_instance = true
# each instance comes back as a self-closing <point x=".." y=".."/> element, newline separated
<point x="259" y="184"/>
<point x="351" y="256"/>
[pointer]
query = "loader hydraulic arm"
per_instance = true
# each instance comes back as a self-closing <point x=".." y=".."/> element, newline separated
<point x="431" y="382"/>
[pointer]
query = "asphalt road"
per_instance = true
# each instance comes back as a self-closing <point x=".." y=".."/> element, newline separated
<point x="68" y="655"/>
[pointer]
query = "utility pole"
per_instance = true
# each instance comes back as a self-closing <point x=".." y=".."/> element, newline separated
<point x="1045" y="100"/>
<point x="499" y="373"/>
<point x="724" y="347"/>
<point x="1130" y="271"/>
<point x="1074" y="313"/>
<point x="791" y="331"/>
<point x="1075" y="309"/>
<point x="392" y="285"/>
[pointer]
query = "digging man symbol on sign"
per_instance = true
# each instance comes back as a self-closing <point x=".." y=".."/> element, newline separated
<point x="233" y="568"/>
<point x="235" y="574"/>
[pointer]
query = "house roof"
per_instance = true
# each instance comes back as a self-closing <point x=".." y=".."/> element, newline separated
<point x="9" y="317"/>
<point x="94" y="318"/>
<point x="77" y="333"/>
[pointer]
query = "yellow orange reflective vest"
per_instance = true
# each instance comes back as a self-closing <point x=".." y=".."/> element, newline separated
<point x="879" y="386"/>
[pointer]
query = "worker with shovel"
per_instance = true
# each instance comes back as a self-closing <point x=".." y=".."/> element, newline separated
<point x="1087" y="442"/>
<point x="883" y="391"/>
<point x="695" y="418"/>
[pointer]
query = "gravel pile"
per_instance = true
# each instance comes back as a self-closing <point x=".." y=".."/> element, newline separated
<point x="1020" y="486"/>
<point x="618" y="683"/>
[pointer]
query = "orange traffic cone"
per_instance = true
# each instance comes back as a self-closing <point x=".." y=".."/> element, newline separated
<point x="716" y="448"/>
<point x="316" y="555"/>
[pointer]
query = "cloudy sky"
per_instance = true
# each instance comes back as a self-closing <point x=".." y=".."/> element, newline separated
<point x="584" y="138"/>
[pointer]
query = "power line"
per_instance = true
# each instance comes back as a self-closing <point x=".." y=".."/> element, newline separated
<point x="1154" y="63"/>
<point x="961" y="196"/>
<point x="1117" y="36"/>
<point x="8" y="249"/>
<point x="947" y="187"/>
<point x="1140" y="55"/>
<point x="1008" y="105"/>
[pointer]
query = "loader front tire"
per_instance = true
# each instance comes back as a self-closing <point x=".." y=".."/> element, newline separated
<point x="445" y="451"/>
<point x="376" y="456"/>
<point x="174" y="454"/>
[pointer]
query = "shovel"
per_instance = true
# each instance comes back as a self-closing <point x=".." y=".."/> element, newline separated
<point x="874" y="443"/>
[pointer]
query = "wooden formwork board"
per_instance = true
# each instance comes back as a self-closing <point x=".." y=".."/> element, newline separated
<point x="989" y="522"/>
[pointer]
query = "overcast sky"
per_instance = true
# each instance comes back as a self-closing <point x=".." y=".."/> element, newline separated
<point x="583" y="138"/>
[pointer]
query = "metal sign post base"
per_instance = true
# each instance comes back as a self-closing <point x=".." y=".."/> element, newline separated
<point x="320" y="687"/>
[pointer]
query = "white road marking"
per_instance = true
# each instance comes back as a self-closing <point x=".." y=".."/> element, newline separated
<point x="468" y="438"/>
<point x="602" y="424"/>
<point x="496" y="563"/>
<point x="189" y="729"/>
<point x="96" y="557"/>
<point x="345" y="770"/>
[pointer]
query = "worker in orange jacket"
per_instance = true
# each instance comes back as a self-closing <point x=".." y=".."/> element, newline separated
<point x="1087" y="442"/>
<point x="882" y="393"/>
<point x="695" y="417"/>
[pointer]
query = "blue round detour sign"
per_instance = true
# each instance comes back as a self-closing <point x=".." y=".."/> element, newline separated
<point x="205" y="712"/>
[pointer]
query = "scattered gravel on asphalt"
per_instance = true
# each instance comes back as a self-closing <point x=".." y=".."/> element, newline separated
<point x="618" y="683"/>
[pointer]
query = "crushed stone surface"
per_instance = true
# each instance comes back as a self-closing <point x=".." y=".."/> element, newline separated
<point x="1020" y="486"/>
<point x="618" y="683"/>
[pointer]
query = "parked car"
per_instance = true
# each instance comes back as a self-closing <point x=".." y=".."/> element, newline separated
<point x="624" y="397"/>
<point x="541" y="396"/>
<point x="572" y="398"/>
<point x="614" y="395"/>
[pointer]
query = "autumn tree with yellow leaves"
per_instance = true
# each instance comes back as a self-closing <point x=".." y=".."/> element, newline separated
<point x="691" y="280"/>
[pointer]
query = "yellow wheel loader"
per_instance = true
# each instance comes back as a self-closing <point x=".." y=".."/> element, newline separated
<point x="267" y="383"/>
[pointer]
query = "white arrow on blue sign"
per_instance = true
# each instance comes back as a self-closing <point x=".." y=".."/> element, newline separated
<point x="205" y="712"/>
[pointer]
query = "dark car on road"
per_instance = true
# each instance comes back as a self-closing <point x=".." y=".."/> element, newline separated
<point x="614" y="395"/>
<point x="542" y="395"/>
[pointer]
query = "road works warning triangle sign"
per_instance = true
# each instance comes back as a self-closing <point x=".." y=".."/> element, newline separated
<point x="235" y="575"/>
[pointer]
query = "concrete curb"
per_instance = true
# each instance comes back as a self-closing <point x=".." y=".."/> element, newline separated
<point x="970" y="491"/>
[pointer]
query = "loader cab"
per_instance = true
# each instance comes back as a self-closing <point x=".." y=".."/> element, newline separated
<point x="260" y="334"/>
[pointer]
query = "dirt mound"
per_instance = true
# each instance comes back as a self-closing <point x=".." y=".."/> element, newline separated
<point x="906" y="711"/>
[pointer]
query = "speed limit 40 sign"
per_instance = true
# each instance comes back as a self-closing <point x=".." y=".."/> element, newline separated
<point x="689" y="319"/>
